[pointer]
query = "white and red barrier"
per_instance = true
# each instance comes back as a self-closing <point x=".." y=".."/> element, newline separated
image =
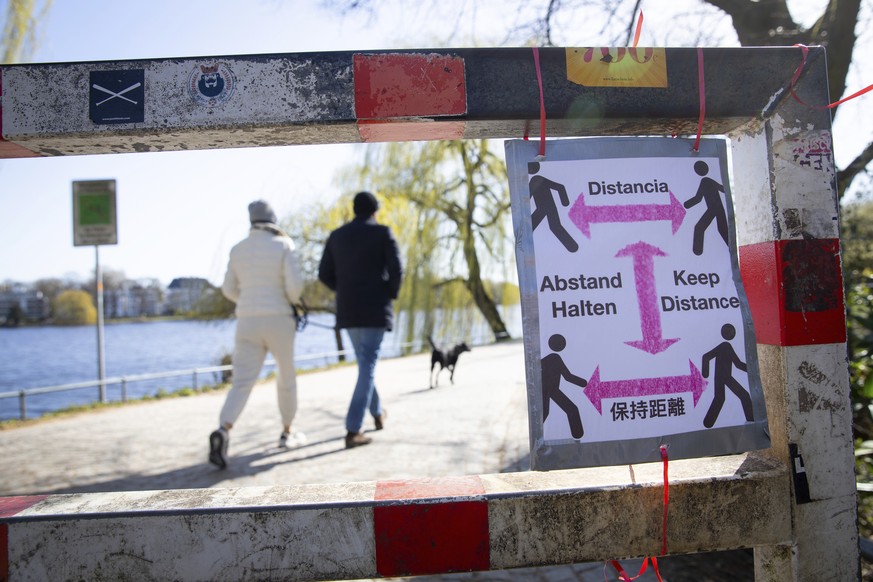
<point x="795" y="503"/>
<point x="394" y="528"/>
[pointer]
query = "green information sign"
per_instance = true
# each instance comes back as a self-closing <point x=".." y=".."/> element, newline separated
<point x="95" y="210"/>
<point x="94" y="220"/>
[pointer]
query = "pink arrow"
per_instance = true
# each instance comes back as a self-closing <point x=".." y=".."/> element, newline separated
<point x="583" y="216"/>
<point x="596" y="390"/>
<point x="653" y="341"/>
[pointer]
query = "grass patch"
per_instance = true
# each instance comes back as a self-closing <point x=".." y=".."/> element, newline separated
<point x="77" y="409"/>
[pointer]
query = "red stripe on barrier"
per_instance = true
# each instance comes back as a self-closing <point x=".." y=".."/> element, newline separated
<point x="392" y="131"/>
<point x="9" y="150"/>
<point x="795" y="291"/>
<point x="409" y="85"/>
<point x="447" y="534"/>
<point x="429" y="488"/>
<point x="10" y="506"/>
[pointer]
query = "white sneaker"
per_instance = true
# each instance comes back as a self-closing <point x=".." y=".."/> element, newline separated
<point x="292" y="440"/>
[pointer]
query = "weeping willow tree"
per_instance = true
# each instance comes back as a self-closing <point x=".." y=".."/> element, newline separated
<point x="19" y="28"/>
<point x="448" y="207"/>
<point x="459" y="231"/>
<point x="311" y="226"/>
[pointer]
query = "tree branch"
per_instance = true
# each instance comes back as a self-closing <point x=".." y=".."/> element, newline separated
<point x="769" y="23"/>
<point x="445" y="282"/>
<point x="495" y="217"/>
<point x="835" y="30"/>
<point x="547" y="21"/>
<point x="847" y="175"/>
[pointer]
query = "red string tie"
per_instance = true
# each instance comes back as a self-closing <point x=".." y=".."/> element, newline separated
<point x="536" y="56"/>
<point x="622" y="574"/>
<point x="638" y="30"/>
<point x="804" y="51"/>
<point x="701" y="90"/>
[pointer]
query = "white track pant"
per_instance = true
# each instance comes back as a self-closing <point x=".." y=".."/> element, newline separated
<point x="255" y="336"/>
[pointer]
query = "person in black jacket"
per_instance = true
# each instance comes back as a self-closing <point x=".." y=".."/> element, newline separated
<point x="361" y="263"/>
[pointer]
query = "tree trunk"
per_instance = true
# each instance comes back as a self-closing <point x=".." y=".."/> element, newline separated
<point x="476" y="287"/>
<point x="474" y="282"/>
<point x="488" y="309"/>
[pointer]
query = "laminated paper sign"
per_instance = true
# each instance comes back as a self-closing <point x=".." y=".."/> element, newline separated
<point x="637" y="329"/>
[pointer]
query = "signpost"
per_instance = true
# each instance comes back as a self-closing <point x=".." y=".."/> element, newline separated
<point x="94" y="223"/>
<point x="637" y="329"/>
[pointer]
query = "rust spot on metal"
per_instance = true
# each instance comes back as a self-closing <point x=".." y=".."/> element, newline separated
<point x="811" y="276"/>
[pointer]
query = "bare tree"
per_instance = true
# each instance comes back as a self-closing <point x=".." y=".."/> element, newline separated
<point x="756" y="23"/>
<point x="460" y="187"/>
<point x="769" y="23"/>
<point x="611" y="22"/>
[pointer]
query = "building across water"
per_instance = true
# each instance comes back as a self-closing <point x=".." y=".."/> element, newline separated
<point x="32" y="303"/>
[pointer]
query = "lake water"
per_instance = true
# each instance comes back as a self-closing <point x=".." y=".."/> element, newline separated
<point x="34" y="357"/>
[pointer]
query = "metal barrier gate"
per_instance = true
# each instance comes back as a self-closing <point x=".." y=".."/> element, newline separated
<point x="795" y="503"/>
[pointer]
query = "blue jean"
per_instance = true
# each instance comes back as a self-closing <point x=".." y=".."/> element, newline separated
<point x="366" y="341"/>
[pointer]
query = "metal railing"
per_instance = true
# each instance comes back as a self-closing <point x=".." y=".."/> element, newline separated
<point x="123" y="381"/>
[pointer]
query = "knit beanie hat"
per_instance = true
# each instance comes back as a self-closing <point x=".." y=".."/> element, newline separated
<point x="261" y="211"/>
<point x="365" y="204"/>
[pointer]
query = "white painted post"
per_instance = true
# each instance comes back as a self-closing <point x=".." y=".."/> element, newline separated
<point x="788" y="223"/>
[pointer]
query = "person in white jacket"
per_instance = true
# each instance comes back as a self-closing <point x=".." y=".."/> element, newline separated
<point x="264" y="280"/>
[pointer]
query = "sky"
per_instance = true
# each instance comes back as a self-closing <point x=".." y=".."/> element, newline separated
<point x="180" y="212"/>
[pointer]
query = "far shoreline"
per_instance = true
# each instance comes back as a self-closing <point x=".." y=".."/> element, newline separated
<point x="119" y="320"/>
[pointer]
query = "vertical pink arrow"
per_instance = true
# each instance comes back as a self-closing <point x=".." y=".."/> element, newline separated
<point x="650" y="317"/>
<point x="583" y="216"/>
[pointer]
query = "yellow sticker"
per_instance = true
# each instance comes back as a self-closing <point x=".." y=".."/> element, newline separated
<point x="617" y="67"/>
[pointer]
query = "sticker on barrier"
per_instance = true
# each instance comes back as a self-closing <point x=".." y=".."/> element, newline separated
<point x="636" y="325"/>
<point x="117" y="96"/>
<point x="617" y="66"/>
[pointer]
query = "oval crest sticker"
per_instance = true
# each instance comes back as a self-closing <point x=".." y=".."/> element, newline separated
<point x="212" y="84"/>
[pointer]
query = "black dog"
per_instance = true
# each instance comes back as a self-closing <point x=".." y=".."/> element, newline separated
<point x="447" y="359"/>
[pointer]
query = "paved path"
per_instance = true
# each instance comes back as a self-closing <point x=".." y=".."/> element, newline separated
<point x="476" y="426"/>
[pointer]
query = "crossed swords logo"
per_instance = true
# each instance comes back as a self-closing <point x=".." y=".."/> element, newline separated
<point x="113" y="94"/>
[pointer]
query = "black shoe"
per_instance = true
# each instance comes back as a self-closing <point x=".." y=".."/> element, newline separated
<point x="357" y="439"/>
<point x="380" y="420"/>
<point x="218" y="448"/>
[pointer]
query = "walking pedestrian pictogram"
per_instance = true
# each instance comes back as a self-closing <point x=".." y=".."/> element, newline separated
<point x="724" y="359"/>
<point x="555" y="370"/>
<point x="709" y="192"/>
<point x="541" y="194"/>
